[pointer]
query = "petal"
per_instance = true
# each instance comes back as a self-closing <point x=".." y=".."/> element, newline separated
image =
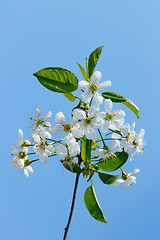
<point x="29" y="169"/>
<point x="14" y="150"/>
<point x="78" y="130"/>
<point x="113" y="145"/>
<point x="135" y="171"/>
<point x="43" y="158"/>
<point x="36" y="137"/>
<point x="78" y="114"/>
<point x="47" y="116"/>
<point x="61" y="150"/>
<point x="125" y="130"/>
<point x="96" y="77"/>
<point x="83" y="85"/>
<point x="74" y="149"/>
<point x="108" y="105"/>
<point x="104" y="85"/>
<point x="26" y="173"/>
<point x="105" y="127"/>
<point x="93" y="110"/>
<point x="98" y="122"/>
<point x="119" y="114"/>
<point x="38" y="112"/>
<point x="90" y="132"/>
<point x="60" y="118"/>
<point x="118" y="182"/>
<point x="20" y="137"/>
<point x="69" y="139"/>
<point x="56" y="129"/>
<point x="86" y="96"/>
<point x="97" y="97"/>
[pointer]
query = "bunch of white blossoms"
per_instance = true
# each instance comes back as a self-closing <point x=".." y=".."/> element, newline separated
<point x="85" y="123"/>
<point x="92" y="139"/>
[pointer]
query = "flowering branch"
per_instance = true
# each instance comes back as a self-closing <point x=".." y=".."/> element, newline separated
<point x="79" y="135"/>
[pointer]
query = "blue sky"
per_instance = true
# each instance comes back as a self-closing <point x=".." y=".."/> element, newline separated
<point x="37" y="34"/>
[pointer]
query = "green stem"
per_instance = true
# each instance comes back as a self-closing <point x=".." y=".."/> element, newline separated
<point x="101" y="138"/>
<point x="35" y="160"/>
<point x="104" y="136"/>
<point x="110" y="139"/>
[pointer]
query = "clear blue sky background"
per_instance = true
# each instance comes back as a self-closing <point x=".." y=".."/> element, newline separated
<point x="35" y="34"/>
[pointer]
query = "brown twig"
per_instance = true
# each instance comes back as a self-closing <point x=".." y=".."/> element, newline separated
<point x="73" y="200"/>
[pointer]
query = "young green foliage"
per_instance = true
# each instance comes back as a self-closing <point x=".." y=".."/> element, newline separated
<point x="93" y="59"/>
<point x="114" y="163"/>
<point x="57" y="79"/>
<point x="119" y="98"/>
<point x="92" y="204"/>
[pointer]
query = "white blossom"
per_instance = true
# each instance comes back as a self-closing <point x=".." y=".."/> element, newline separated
<point x="91" y="89"/>
<point x="111" y="120"/>
<point x="127" y="179"/>
<point x="109" y="151"/>
<point x="63" y="126"/>
<point x="41" y="148"/>
<point x="38" y="123"/>
<point x="87" y="122"/>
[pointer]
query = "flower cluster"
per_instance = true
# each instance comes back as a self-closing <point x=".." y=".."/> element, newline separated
<point x="87" y="124"/>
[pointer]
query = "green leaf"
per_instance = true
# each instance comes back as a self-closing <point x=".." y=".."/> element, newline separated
<point x="92" y="204"/>
<point x="113" y="164"/>
<point x="119" y="98"/>
<point x="86" y="149"/>
<point x="72" y="167"/>
<point x="70" y="96"/>
<point x="93" y="59"/>
<point x="83" y="71"/>
<point x="132" y="106"/>
<point x="57" y="79"/>
<point x="107" y="178"/>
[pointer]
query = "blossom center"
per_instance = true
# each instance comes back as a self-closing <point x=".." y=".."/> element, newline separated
<point x="93" y="88"/>
<point x="67" y="127"/>
<point x="109" y="116"/>
<point x="124" y="176"/>
<point x="26" y="163"/>
<point x="88" y="121"/>
<point x="22" y="155"/>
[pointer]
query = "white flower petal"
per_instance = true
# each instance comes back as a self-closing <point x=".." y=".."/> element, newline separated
<point x="118" y="182"/>
<point x="83" y="85"/>
<point x="78" y="114"/>
<point x="20" y="137"/>
<point x="78" y="130"/>
<point x="119" y="114"/>
<point x="86" y="96"/>
<point x="134" y="172"/>
<point x="96" y="77"/>
<point x="93" y="110"/>
<point x="97" y="97"/>
<point x="43" y="158"/>
<point x="47" y="116"/>
<point x="90" y="132"/>
<point x="38" y="112"/>
<point x="60" y="118"/>
<point x="69" y="139"/>
<point x="56" y="129"/>
<point x="61" y="150"/>
<point x="105" y="127"/>
<point x="125" y="130"/>
<point x="108" y="105"/>
<point x="74" y="150"/>
<point x="29" y="169"/>
<point x="26" y="173"/>
<point x="104" y="85"/>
